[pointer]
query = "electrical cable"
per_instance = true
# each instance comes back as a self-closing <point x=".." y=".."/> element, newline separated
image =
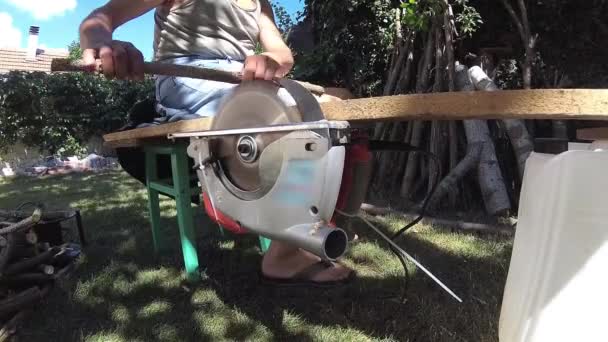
<point x="404" y="253"/>
<point x="377" y="145"/>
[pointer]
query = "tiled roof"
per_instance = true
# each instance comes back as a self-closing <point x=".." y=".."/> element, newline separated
<point x="14" y="59"/>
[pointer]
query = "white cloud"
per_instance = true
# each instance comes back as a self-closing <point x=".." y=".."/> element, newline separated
<point x="44" y="9"/>
<point x="11" y="36"/>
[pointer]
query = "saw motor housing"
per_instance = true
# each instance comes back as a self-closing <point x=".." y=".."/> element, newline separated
<point x="280" y="180"/>
<point x="302" y="178"/>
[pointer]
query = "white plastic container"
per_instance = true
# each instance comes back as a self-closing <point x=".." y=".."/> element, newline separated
<point x="557" y="286"/>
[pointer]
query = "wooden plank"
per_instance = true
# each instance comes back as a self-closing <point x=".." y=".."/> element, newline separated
<point x="511" y="104"/>
<point x="135" y="137"/>
<point x="123" y="143"/>
<point x="159" y="131"/>
<point x="592" y="134"/>
<point x="136" y="142"/>
<point x="563" y="104"/>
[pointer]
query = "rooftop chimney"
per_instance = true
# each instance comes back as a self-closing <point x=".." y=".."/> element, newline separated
<point x="32" y="43"/>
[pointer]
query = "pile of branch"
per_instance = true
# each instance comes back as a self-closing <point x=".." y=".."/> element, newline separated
<point x="471" y="173"/>
<point x="32" y="260"/>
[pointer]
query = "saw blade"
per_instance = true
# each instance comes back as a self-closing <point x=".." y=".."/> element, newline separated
<point x="253" y="104"/>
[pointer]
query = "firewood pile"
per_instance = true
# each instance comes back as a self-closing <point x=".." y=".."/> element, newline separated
<point x="34" y="257"/>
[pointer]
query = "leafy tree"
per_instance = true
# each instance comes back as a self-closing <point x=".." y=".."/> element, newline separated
<point x="75" y="52"/>
<point x="468" y="18"/>
<point x="60" y="112"/>
<point x="353" y="40"/>
<point x="284" y="21"/>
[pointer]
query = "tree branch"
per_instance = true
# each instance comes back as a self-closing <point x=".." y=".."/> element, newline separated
<point x="449" y="46"/>
<point x="524" y="17"/>
<point x="517" y="21"/>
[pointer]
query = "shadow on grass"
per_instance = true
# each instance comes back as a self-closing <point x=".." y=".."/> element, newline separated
<point x="371" y="305"/>
<point x="123" y="292"/>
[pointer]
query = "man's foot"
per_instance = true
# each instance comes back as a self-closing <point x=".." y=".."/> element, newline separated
<point x="285" y="262"/>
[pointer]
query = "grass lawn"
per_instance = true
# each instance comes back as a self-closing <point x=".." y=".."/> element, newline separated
<point x="122" y="292"/>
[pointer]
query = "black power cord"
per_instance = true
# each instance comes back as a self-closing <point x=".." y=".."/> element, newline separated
<point x="376" y="145"/>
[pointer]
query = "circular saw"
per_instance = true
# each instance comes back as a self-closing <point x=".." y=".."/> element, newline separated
<point x="273" y="169"/>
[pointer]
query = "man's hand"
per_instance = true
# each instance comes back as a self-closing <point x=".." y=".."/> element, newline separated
<point x="263" y="67"/>
<point x="119" y="60"/>
<point x="277" y="59"/>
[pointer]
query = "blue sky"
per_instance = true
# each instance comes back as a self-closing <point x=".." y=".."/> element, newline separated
<point x="59" y="21"/>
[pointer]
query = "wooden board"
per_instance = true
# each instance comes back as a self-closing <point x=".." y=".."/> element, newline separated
<point x="582" y="104"/>
<point x="592" y="134"/>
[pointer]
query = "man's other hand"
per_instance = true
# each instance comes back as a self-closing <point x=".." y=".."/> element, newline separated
<point x="119" y="60"/>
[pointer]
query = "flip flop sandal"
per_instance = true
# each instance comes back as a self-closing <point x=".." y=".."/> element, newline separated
<point x="303" y="278"/>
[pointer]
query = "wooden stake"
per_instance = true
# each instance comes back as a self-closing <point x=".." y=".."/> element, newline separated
<point x="167" y="69"/>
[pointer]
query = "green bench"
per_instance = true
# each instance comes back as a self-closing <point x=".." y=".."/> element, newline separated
<point x="181" y="188"/>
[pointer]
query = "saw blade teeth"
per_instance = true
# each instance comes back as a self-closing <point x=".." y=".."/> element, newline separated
<point x="253" y="104"/>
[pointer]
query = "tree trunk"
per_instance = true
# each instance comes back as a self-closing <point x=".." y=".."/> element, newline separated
<point x="401" y="49"/>
<point x="560" y="129"/>
<point x="516" y="129"/>
<point x="529" y="42"/>
<point x="449" y="45"/>
<point x="448" y="30"/>
<point x="404" y="79"/>
<point x="412" y="160"/>
<point x="421" y="86"/>
<point x="449" y="183"/>
<point x="491" y="183"/>
<point x="386" y="164"/>
<point x="436" y="141"/>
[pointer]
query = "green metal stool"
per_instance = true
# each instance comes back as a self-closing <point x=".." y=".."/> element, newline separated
<point x="179" y="188"/>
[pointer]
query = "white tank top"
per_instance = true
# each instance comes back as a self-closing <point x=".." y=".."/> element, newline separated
<point x="210" y="28"/>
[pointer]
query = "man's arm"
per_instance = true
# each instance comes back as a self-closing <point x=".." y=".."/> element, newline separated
<point x="272" y="40"/>
<point x="276" y="60"/>
<point x="119" y="59"/>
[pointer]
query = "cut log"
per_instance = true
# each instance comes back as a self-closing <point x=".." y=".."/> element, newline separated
<point x="31" y="262"/>
<point x="467" y="164"/>
<point x="7" y="251"/>
<point x="10" y="327"/>
<point x="45" y="215"/>
<point x="23" y="224"/>
<point x="520" y="139"/>
<point x="481" y="155"/>
<point x="491" y="183"/>
<point x="21" y="301"/>
<point x="27" y="279"/>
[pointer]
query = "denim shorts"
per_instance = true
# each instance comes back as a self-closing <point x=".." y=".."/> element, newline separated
<point x="180" y="98"/>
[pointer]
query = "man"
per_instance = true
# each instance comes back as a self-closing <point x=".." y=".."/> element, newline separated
<point x="219" y="34"/>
